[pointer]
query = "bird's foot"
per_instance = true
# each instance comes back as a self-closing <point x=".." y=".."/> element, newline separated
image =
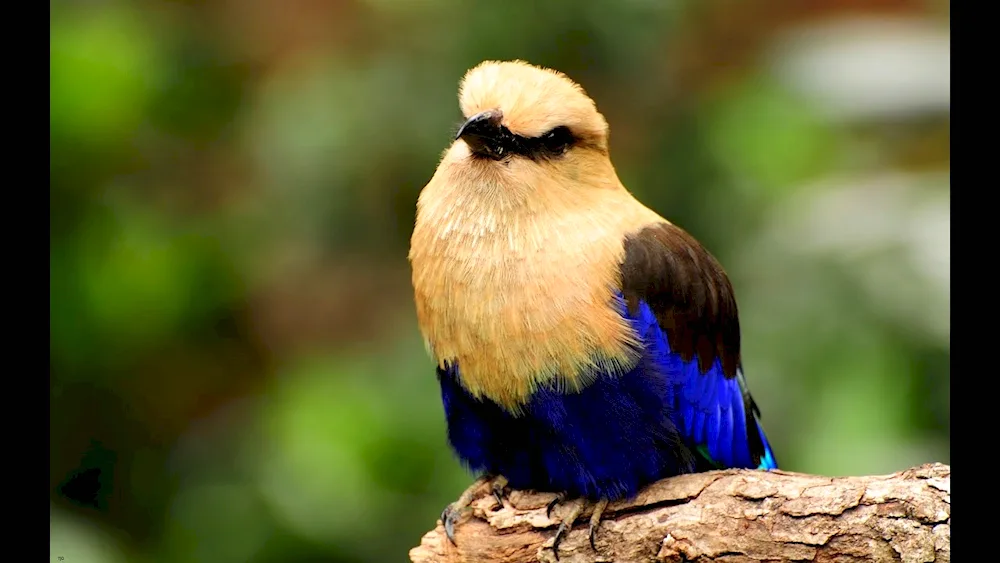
<point x="577" y="506"/>
<point x="595" y="521"/>
<point x="499" y="489"/>
<point x="454" y="511"/>
<point x="560" y="498"/>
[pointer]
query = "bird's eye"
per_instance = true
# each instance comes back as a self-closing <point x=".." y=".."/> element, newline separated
<point x="557" y="140"/>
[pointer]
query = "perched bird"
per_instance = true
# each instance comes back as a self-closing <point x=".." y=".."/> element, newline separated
<point x="585" y="345"/>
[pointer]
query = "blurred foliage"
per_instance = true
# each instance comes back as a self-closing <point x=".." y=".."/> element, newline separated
<point x="236" y="373"/>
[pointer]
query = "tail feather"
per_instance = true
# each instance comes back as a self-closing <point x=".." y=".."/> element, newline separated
<point x="767" y="461"/>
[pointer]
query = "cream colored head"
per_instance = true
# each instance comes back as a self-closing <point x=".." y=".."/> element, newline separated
<point x="532" y="100"/>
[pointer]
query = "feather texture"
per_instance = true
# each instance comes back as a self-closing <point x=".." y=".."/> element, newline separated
<point x="606" y="441"/>
<point x="662" y="418"/>
<point x="693" y="302"/>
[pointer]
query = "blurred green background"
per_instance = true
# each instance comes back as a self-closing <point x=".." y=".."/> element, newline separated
<point x="236" y="372"/>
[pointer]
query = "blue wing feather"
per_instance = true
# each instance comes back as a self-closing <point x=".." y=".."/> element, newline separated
<point x="670" y="275"/>
<point x="711" y="411"/>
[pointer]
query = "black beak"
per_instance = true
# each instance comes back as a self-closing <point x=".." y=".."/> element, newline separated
<point x="484" y="134"/>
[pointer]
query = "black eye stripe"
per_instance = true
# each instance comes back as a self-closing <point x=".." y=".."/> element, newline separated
<point x="556" y="141"/>
<point x="551" y="144"/>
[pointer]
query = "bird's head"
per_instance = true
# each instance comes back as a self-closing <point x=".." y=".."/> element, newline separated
<point x="525" y="128"/>
<point x="516" y="109"/>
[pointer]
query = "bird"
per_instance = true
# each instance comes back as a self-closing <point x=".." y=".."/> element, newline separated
<point x="584" y="345"/>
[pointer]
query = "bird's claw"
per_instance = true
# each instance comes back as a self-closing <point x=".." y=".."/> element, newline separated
<point x="595" y="521"/>
<point x="567" y="523"/>
<point x="449" y="516"/>
<point x="560" y="534"/>
<point x="552" y="504"/>
<point x="453" y="512"/>
<point x="499" y="490"/>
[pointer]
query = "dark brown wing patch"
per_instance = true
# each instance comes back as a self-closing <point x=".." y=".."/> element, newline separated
<point x="687" y="290"/>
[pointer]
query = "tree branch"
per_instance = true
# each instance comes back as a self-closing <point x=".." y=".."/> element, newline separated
<point x="731" y="515"/>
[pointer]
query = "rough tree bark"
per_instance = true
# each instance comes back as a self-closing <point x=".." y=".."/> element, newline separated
<point x="731" y="515"/>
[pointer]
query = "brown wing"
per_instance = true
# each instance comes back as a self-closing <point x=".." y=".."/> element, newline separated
<point x="687" y="290"/>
